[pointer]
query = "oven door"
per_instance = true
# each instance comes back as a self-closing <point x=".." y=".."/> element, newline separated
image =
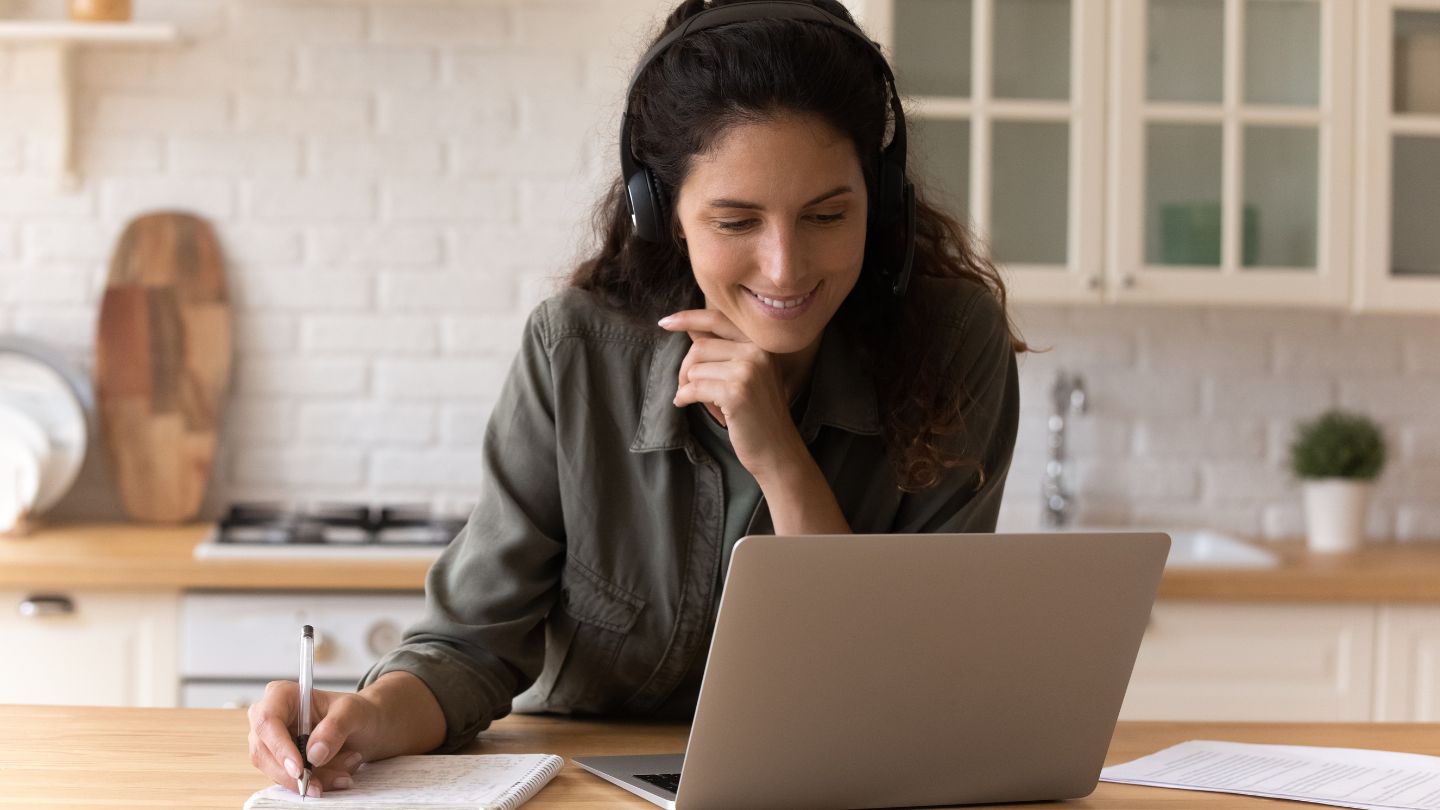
<point x="232" y="643"/>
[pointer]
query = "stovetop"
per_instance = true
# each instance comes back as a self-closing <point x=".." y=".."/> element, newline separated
<point x="331" y="530"/>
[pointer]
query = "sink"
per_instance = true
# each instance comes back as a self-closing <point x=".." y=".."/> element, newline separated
<point x="1202" y="548"/>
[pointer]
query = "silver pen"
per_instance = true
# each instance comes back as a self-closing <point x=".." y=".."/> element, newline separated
<point x="307" y="676"/>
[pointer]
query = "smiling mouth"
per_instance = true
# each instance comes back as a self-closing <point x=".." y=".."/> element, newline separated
<point x="782" y="303"/>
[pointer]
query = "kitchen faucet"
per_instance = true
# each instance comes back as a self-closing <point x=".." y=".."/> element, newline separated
<point x="1067" y="395"/>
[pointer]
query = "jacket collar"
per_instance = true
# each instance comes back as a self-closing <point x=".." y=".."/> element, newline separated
<point x="842" y="393"/>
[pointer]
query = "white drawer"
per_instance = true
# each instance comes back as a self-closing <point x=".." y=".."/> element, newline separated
<point x="248" y="635"/>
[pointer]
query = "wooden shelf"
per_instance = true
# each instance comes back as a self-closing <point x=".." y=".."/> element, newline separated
<point x="63" y="33"/>
<point x="62" y="38"/>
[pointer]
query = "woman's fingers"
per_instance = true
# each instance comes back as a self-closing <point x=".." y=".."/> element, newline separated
<point x="265" y="761"/>
<point x="339" y="774"/>
<point x="704" y="320"/>
<point x="346" y="716"/>
<point x="270" y="721"/>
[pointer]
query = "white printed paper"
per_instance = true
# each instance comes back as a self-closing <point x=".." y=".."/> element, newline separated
<point x="1342" y="777"/>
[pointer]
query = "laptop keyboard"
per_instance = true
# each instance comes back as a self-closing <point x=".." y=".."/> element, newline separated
<point x="664" y="781"/>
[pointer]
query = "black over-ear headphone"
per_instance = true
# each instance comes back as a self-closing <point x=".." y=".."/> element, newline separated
<point x="894" y="195"/>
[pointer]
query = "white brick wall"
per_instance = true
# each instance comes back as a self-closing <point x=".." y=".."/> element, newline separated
<point x="395" y="184"/>
<point x="1192" y="410"/>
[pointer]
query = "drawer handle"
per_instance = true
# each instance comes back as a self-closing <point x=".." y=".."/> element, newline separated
<point x="46" y="605"/>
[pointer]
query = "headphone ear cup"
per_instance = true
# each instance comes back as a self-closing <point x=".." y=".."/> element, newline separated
<point x="646" y="207"/>
<point x="891" y="192"/>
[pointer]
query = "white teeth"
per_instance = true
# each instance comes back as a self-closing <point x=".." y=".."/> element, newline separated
<point x="778" y="304"/>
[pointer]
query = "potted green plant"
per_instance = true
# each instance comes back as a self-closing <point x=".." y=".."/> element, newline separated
<point x="1337" y="455"/>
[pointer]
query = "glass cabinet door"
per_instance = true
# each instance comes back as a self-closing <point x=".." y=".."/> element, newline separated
<point x="1400" y="154"/>
<point x="1231" y="151"/>
<point x="1005" y="108"/>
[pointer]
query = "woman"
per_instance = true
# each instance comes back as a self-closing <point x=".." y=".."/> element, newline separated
<point x="795" y="383"/>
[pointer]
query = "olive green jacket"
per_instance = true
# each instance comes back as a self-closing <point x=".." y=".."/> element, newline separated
<point x="587" y="574"/>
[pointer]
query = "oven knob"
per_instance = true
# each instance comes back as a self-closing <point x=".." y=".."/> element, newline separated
<point x="383" y="637"/>
<point x="324" y="650"/>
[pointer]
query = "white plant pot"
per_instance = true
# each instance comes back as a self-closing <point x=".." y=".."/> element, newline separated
<point x="1335" y="510"/>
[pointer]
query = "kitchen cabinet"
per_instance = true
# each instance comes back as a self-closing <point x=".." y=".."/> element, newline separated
<point x="1007" y="128"/>
<point x="1398" y="181"/>
<point x="1252" y="661"/>
<point x="97" y="648"/>
<point x="1408" y="669"/>
<point x="1269" y="152"/>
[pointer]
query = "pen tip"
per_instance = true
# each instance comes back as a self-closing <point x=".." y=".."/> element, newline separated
<point x="309" y="631"/>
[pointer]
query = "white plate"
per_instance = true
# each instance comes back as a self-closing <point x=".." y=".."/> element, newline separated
<point x="19" y="479"/>
<point x="30" y="385"/>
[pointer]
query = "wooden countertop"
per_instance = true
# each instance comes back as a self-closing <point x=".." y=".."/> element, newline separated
<point x="135" y="557"/>
<point x="85" y="757"/>
<point x="121" y="556"/>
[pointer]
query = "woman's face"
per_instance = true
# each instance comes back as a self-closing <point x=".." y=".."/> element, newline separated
<point x="773" y="218"/>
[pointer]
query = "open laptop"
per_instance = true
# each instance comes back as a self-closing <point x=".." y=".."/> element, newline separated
<point x="905" y="670"/>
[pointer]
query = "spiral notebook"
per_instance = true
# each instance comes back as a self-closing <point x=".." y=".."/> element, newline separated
<point x="435" y="782"/>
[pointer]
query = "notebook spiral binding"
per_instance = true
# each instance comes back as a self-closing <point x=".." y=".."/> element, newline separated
<point x="528" y="786"/>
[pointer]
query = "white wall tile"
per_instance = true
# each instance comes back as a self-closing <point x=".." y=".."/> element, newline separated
<point x="442" y="23"/>
<point x="438" y="379"/>
<point x="319" y="114"/>
<point x="297" y="22"/>
<point x="368" y="334"/>
<point x="229" y="154"/>
<point x="372" y="245"/>
<point x="126" y="198"/>
<point x="367" y="67"/>
<point x="311" y="199"/>
<point x="155" y="113"/>
<point x="367" y="423"/>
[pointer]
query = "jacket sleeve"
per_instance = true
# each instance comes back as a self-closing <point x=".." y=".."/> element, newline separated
<point x="481" y="640"/>
<point x="965" y="500"/>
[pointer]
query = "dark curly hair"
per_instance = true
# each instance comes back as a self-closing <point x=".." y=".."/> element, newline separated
<point x="757" y="71"/>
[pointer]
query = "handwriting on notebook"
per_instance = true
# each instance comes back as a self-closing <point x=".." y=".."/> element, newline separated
<point x="501" y="781"/>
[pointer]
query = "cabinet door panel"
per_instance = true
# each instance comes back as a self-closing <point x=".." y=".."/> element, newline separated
<point x="1282" y="52"/>
<point x="1282" y="188"/>
<point x="113" y="649"/>
<point x="1408" y="688"/>
<point x="1185" y="50"/>
<point x="1398" y="255"/>
<point x="932" y="44"/>
<point x="1254" y="662"/>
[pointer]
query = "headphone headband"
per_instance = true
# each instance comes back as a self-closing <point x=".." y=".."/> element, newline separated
<point x="750" y="10"/>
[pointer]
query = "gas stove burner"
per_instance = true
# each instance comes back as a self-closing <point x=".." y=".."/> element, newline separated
<point x="336" y="524"/>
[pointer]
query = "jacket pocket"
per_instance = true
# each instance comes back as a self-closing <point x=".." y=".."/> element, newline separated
<point x="594" y="619"/>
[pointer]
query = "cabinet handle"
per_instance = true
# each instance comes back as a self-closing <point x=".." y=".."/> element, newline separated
<point x="1128" y="282"/>
<point x="46" y="605"/>
<point x="1093" y="282"/>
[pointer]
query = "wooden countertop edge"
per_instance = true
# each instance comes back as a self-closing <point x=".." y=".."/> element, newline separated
<point x="133" y="557"/>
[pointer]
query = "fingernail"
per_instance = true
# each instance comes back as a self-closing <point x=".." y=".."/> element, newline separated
<point x="319" y="754"/>
<point x="667" y="320"/>
<point x="291" y="769"/>
<point x="340" y="782"/>
<point x="353" y="761"/>
<point x="313" y="790"/>
<point x="362" y="766"/>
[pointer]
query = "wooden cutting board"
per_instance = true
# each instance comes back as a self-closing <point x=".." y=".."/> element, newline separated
<point x="162" y="364"/>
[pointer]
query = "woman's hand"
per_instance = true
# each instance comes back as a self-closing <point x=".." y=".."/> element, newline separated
<point x="343" y="726"/>
<point x="741" y="385"/>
